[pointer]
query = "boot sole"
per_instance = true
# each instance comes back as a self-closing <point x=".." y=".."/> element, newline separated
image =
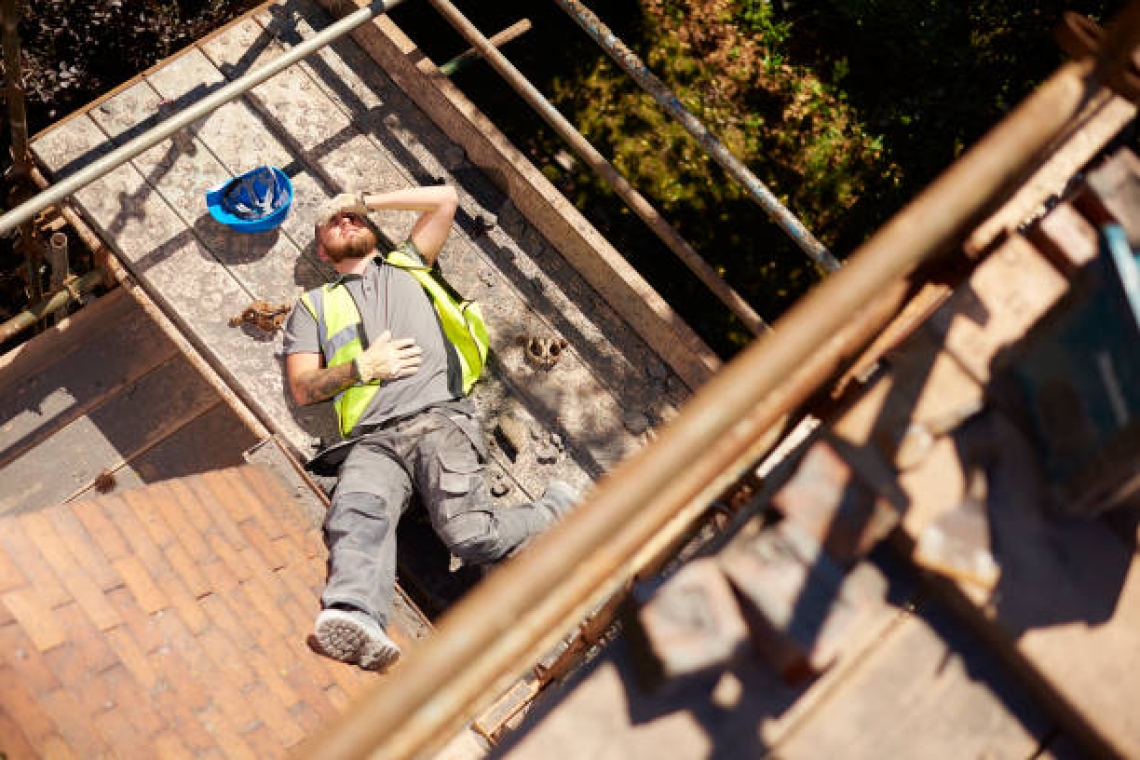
<point x="344" y="638"/>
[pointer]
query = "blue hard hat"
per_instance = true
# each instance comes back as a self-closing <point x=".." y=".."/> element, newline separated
<point x="256" y="201"/>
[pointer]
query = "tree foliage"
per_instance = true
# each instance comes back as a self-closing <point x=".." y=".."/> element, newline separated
<point x="74" y="50"/>
<point x="843" y="108"/>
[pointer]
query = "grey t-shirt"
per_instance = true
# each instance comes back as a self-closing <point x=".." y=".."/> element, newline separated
<point x="390" y="298"/>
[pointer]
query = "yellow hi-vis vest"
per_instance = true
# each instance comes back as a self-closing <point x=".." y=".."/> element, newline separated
<point x="339" y="327"/>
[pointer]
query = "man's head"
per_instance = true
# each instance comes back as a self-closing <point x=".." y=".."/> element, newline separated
<point x="342" y="230"/>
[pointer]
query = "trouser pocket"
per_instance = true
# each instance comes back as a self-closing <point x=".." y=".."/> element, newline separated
<point x="460" y="458"/>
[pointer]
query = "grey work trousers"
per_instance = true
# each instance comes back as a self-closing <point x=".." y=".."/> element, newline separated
<point x="441" y="453"/>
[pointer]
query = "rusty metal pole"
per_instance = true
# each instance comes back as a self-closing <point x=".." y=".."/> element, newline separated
<point x="649" y="82"/>
<point x="18" y="126"/>
<point x="596" y="161"/>
<point x="484" y="640"/>
<point x="469" y="56"/>
<point x="50" y="305"/>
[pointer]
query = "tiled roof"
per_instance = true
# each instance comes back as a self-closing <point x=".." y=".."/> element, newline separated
<point x="170" y="621"/>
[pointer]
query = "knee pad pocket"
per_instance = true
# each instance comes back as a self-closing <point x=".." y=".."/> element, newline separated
<point x="470" y="536"/>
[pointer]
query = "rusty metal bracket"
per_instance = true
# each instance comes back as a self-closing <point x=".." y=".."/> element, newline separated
<point x="265" y="316"/>
<point x="71" y="285"/>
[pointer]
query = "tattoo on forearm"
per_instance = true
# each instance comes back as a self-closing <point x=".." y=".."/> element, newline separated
<point x="320" y="384"/>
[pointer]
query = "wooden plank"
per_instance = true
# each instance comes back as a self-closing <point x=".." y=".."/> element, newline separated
<point x="929" y="689"/>
<point x="803" y="611"/>
<point x="127" y="347"/>
<point x="537" y="200"/>
<point x="745" y="711"/>
<point x="212" y="441"/>
<point x="986" y="313"/>
<point x="41" y="351"/>
<point x="1104" y="115"/>
<point x="175" y="267"/>
<point x="825" y="498"/>
<point x="192" y="355"/>
<point x="924" y="390"/>
<point x="125" y="423"/>
<point x="1066" y="609"/>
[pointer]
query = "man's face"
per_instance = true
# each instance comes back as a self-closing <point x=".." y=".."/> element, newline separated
<point x="346" y="236"/>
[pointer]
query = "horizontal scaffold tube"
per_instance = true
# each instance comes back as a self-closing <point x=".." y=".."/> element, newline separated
<point x="50" y="305"/>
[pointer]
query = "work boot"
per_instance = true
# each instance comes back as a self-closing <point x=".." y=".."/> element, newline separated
<point x="557" y="500"/>
<point x="352" y="636"/>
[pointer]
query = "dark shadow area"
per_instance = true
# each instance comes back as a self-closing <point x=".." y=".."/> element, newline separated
<point x="110" y="403"/>
<point x="931" y="79"/>
<point x="425" y="568"/>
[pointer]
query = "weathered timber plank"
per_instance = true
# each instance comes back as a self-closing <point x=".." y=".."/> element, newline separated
<point x="486" y="147"/>
<point x="1066" y="608"/>
<point x="928" y="689"/>
<point x="182" y="276"/>
<point x="986" y="313"/>
<point x="894" y="435"/>
<point x="124" y="425"/>
<point x="1066" y="611"/>
<point x="1104" y="115"/>
<point x="212" y="441"/>
<point x="193" y="356"/>
<point x="825" y="498"/>
<point x="127" y="348"/>
<point x="41" y="351"/>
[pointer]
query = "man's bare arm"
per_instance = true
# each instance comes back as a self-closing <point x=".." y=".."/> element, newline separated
<point x="437" y="205"/>
<point x="387" y="358"/>
<point x="311" y="382"/>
